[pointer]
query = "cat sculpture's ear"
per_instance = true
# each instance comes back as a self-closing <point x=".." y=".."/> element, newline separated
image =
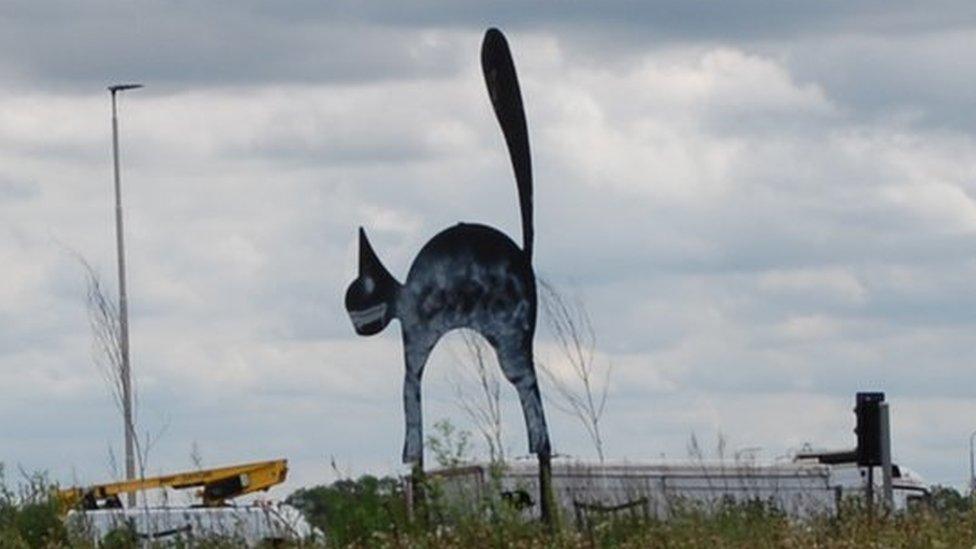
<point x="370" y="264"/>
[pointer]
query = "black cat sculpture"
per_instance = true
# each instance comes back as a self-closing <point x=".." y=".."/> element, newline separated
<point x="467" y="276"/>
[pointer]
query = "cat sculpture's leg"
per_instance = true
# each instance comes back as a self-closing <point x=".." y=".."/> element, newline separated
<point x="416" y="349"/>
<point x="516" y="363"/>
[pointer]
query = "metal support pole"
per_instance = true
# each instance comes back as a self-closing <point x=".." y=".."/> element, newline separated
<point x="886" y="467"/>
<point x="972" y="469"/>
<point x="869" y="492"/>
<point x="546" y="496"/>
<point x="130" y="462"/>
<point x="418" y="494"/>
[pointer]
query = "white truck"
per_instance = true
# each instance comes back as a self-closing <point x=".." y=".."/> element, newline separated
<point x="800" y="488"/>
<point x="245" y="525"/>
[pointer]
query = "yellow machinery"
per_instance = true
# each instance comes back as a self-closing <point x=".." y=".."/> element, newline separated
<point x="219" y="485"/>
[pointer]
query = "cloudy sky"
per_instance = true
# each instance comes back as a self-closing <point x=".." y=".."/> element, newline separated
<point x="766" y="207"/>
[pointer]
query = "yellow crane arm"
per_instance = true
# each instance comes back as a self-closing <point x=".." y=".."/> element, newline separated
<point x="219" y="485"/>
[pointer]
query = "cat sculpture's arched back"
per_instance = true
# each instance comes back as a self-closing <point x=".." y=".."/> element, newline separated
<point x="468" y="276"/>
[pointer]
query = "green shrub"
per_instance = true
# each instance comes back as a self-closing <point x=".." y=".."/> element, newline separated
<point x="40" y="525"/>
<point x="353" y="511"/>
<point x="30" y="518"/>
<point x="120" y="538"/>
<point x="370" y="512"/>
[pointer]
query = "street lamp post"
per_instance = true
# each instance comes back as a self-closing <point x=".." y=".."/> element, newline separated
<point x="130" y="462"/>
<point x="972" y="468"/>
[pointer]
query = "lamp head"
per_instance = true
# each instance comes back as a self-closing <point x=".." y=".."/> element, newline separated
<point x="123" y="87"/>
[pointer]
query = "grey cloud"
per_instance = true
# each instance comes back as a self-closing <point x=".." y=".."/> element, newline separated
<point x="674" y="19"/>
<point x="917" y="78"/>
<point x="65" y="46"/>
<point x="17" y="189"/>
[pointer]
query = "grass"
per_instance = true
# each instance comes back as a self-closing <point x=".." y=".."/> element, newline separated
<point x="369" y="512"/>
<point x="732" y="526"/>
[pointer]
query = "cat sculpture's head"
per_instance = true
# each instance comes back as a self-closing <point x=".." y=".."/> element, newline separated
<point x="371" y="298"/>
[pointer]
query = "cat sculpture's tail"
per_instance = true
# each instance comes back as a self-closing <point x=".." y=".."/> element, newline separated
<point x="503" y="88"/>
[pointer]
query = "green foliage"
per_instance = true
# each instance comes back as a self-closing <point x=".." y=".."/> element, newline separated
<point x="30" y="518"/>
<point x="451" y="446"/>
<point x="946" y="501"/>
<point x="120" y="538"/>
<point x="947" y="523"/>
<point x="753" y="523"/>
<point x="39" y="524"/>
<point x="8" y="512"/>
<point x="370" y="512"/>
<point x="354" y="511"/>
